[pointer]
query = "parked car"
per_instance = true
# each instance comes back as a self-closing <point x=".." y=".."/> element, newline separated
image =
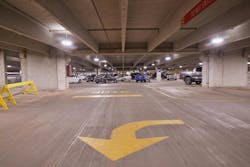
<point x="74" y="79"/>
<point x="91" y="78"/>
<point x="82" y="77"/>
<point x="192" y="76"/>
<point x="105" y="78"/>
<point x="124" y="78"/>
<point x="13" y="77"/>
<point x="142" y="78"/>
<point x="168" y="76"/>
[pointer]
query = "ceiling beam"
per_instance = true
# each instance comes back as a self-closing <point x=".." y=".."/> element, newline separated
<point x="237" y="45"/>
<point x="135" y="53"/>
<point x="238" y="33"/>
<point x="172" y="25"/>
<point x="233" y="17"/>
<point x="17" y="22"/>
<point x="14" y="39"/>
<point x="124" y="16"/>
<point x="61" y="12"/>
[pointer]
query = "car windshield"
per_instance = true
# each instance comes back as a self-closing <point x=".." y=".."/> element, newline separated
<point x="199" y="69"/>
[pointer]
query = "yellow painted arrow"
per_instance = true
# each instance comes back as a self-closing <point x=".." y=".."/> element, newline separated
<point x="123" y="140"/>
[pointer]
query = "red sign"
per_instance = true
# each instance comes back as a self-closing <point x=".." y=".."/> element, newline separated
<point x="201" y="6"/>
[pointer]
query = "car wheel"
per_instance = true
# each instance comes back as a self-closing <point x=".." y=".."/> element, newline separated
<point x="198" y="82"/>
<point x="188" y="80"/>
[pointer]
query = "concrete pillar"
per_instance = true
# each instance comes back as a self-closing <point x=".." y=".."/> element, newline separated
<point x="23" y="62"/>
<point x="205" y="67"/>
<point x="225" y="69"/>
<point x="61" y="63"/>
<point x="158" y="74"/>
<point x="2" y="69"/>
<point x="47" y="71"/>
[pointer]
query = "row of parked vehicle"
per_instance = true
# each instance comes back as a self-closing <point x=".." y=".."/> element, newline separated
<point x="187" y="76"/>
<point x="108" y="78"/>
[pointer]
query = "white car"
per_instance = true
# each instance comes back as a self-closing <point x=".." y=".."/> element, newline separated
<point x="126" y="78"/>
<point x="82" y="77"/>
<point x="74" y="79"/>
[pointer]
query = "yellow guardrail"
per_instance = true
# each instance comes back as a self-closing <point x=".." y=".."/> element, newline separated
<point x="30" y="88"/>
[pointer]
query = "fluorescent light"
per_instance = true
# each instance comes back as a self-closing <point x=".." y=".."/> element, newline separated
<point x="67" y="42"/>
<point x="104" y="61"/>
<point x="167" y="58"/>
<point x="96" y="59"/>
<point x="9" y="66"/>
<point x="217" y="40"/>
<point x="180" y="66"/>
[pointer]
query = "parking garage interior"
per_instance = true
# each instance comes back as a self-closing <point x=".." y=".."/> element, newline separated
<point x="117" y="83"/>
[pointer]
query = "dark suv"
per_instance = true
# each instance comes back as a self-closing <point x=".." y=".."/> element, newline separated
<point x="105" y="78"/>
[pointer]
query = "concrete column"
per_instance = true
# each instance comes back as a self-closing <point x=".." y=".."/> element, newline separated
<point x="23" y="62"/>
<point x="61" y="62"/>
<point x="226" y="69"/>
<point x="158" y="74"/>
<point x="47" y="71"/>
<point x="205" y="67"/>
<point x="2" y="68"/>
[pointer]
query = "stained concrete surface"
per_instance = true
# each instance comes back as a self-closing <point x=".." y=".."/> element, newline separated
<point x="45" y="131"/>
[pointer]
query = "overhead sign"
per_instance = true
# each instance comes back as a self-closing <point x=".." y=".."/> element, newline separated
<point x="201" y="6"/>
<point x="123" y="141"/>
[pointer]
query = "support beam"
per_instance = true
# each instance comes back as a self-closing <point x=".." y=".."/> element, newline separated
<point x="124" y="16"/>
<point x="13" y="20"/>
<point x="172" y="25"/>
<point x="2" y="68"/>
<point x="234" y="35"/>
<point x="15" y="39"/>
<point x="233" y="17"/>
<point x="60" y="11"/>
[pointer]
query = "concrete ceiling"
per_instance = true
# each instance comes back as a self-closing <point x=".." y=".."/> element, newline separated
<point x="127" y="33"/>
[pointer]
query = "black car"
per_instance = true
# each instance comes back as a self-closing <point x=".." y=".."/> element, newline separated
<point x="91" y="78"/>
<point x="105" y="78"/>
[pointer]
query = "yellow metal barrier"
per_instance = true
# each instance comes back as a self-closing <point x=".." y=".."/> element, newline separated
<point x="2" y="102"/>
<point x="30" y="88"/>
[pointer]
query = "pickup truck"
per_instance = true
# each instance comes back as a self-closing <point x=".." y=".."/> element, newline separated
<point x="192" y="76"/>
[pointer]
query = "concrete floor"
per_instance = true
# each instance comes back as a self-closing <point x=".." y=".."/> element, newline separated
<point x="46" y="131"/>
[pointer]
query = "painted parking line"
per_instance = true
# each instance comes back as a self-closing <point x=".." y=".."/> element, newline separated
<point x="108" y="96"/>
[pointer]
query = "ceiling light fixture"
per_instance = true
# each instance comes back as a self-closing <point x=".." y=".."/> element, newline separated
<point x="66" y="42"/>
<point x="96" y="59"/>
<point x="145" y="67"/>
<point x="105" y="65"/>
<point x="200" y="64"/>
<point x="248" y="63"/>
<point x="153" y="64"/>
<point x="167" y="58"/>
<point x="217" y="40"/>
<point x="180" y="66"/>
